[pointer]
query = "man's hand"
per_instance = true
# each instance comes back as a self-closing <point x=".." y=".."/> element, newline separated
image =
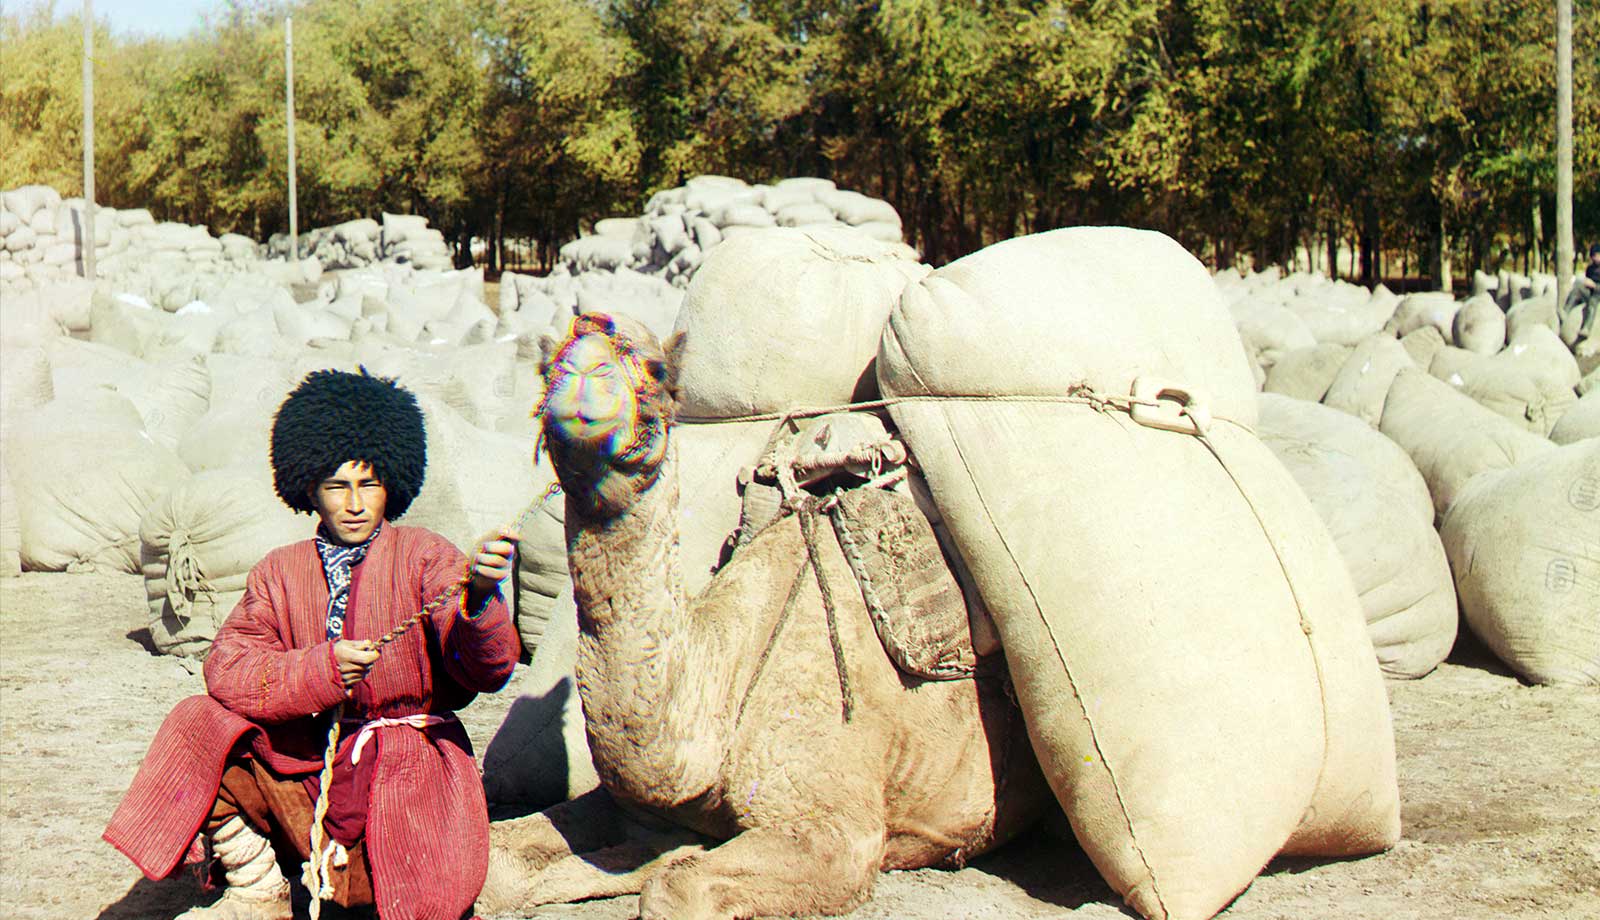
<point x="355" y="657"/>
<point x="491" y="562"/>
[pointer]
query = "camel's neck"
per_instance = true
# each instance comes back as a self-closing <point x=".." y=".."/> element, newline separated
<point x="640" y="671"/>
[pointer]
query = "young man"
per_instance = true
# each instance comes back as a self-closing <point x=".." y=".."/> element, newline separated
<point x="238" y="769"/>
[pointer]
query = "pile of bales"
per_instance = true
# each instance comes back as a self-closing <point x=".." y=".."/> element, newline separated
<point x="1353" y="473"/>
<point x="404" y="239"/>
<point x="647" y="261"/>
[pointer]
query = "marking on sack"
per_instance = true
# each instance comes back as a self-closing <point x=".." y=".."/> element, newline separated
<point x="1585" y="493"/>
<point x="1560" y="576"/>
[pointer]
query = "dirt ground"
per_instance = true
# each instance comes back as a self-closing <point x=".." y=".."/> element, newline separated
<point x="1500" y="783"/>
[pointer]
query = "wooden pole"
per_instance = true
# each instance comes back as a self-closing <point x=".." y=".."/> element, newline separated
<point x="288" y="66"/>
<point x="1563" y="149"/>
<point x="86" y="240"/>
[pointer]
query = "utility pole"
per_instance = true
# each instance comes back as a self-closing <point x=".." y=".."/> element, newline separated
<point x="86" y="241"/>
<point x="288" y="66"/>
<point x="1563" y="149"/>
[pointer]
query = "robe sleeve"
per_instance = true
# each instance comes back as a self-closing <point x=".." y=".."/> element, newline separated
<point x="479" y="648"/>
<point x="253" y="672"/>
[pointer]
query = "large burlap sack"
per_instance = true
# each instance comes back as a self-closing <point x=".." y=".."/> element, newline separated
<point x="85" y="470"/>
<point x="1580" y="421"/>
<point x="1530" y="382"/>
<point x="1423" y="344"/>
<point x="1363" y="382"/>
<point x="125" y="322"/>
<point x="1450" y="436"/>
<point x="1428" y="308"/>
<point x="25" y="383"/>
<point x="476" y="480"/>
<point x="1269" y="328"/>
<point x="1306" y="373"/>
<point x="198" y="543"/>
<point x="540" y="753"/>
<point x="1380" y="515"/>
<point x="1187" y="647"/>
<point x="1480" y="326"/>
<point x="1523" y="545"/>
<point x="779" y="318"/>
<point x="169" y="398"/>
<point x="1339" y="313"/>
<point x="10" y="526"/>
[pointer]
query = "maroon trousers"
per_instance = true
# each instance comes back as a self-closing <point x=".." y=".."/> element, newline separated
<point x="280" y="809"/>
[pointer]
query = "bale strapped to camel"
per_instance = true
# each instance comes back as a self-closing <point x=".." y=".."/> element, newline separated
<point x="1185" y="641"/>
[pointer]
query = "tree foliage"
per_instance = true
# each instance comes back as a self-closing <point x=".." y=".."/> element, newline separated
<point x="1417" y="129"/>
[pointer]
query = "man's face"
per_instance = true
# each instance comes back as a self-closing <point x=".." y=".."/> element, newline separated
<point x="350" y="502"/>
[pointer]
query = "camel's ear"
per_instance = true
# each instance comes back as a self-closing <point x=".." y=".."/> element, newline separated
<point x="549" y="346"/>
<point x="674" y="360"/>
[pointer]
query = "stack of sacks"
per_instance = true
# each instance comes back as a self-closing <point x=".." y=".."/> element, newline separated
<point x="681" y="225"/>
<point x="1195" y="717"/>
<point x="198" y="543"/>
<point x="42" y="238"/>
<point x="774" y="320"/>
<point x="532" y="305"/>
<point x="403" y="239"/>
<point x="84" y="471"/>
<point x="1522" y="543"/>
<point x="1379" y="512"/>
<point x="1279" y="316"/>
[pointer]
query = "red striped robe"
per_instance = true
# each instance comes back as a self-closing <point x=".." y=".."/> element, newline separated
<point x="271" y="669"/>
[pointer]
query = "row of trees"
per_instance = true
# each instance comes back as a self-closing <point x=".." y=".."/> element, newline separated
<point x="1412" y="131"/>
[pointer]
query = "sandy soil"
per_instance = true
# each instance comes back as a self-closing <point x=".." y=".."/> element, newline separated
<point x="1501" y="785"/>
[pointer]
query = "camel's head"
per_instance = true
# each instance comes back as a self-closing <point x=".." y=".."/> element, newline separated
<point x="610" y="394"/>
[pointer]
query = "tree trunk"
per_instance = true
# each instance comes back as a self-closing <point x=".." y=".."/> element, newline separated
<point x="1370" y="269"/>
<point x="1440" y="251"/>
<point x="1333" y="250"/>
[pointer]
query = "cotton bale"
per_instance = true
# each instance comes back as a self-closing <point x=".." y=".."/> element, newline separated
<point x="807" y="213"/>
<point x="10" y="526"/>
<point x="476" y="480"/>
<point x="1450" y="436"/>
<point x="302" y="323"/>
<point x="1423" y="344"/>
<point x="1379" y="512"/>
<point x="25" y="384"/>
<point x="1306" y="373"/>
<point x="854" y="208"/>
<point x="778" y="318"/>
<point x="26" y="320"/>
<point x="21" y="239"/>
<point x="648" y="299"/>
<point x="170" y="398"/>
<point x="1581" y="420"/>
<point x="1195" y="717"/>
<point x="197" y="544"/>
<point x="539" y="755"/>
<point x="1480" y="326"/>
<point x="85" y="471"/>
<point x="1362" y="385"/>
<point x="596" y="253"/>
<point x="1268" y="328"/>
<point x="1522" y="542"/>
<point x="1340" y="313"/>
<point x="742" y="214"/>
<point x="124" y="321"/>
<point x="1429" y="308"/>
<point x="1536" y="311"/>
<point x="27" y="200"/>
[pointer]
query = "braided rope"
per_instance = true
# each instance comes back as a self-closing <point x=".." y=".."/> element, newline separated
<point x="316" y="875"/>
<point x="1078" y="393"/>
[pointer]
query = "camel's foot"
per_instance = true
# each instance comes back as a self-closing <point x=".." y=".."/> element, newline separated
<point x="589" y="822"/>
<point x="812" y="869"/>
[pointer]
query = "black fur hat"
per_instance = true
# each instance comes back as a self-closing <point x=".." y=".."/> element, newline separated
<point x="334" y="417"/>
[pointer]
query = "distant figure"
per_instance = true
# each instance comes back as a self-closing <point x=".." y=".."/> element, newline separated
<point x="235" y="775"/>
<point x="1590" y="282"/>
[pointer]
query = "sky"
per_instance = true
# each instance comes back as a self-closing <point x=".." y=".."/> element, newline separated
<point x="166" y="18"/>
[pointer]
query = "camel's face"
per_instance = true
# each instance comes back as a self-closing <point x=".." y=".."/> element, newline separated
<point x="606" y="387"/>
<point x="591" y="400"/>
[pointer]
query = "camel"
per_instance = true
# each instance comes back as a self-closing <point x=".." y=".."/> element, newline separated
<point x="726" y="718"/>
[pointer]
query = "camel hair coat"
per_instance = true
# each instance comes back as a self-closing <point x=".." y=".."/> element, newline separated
<point x="271" y="672"/>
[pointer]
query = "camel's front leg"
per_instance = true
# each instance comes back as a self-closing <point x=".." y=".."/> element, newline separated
<point x="822" y="865"/>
